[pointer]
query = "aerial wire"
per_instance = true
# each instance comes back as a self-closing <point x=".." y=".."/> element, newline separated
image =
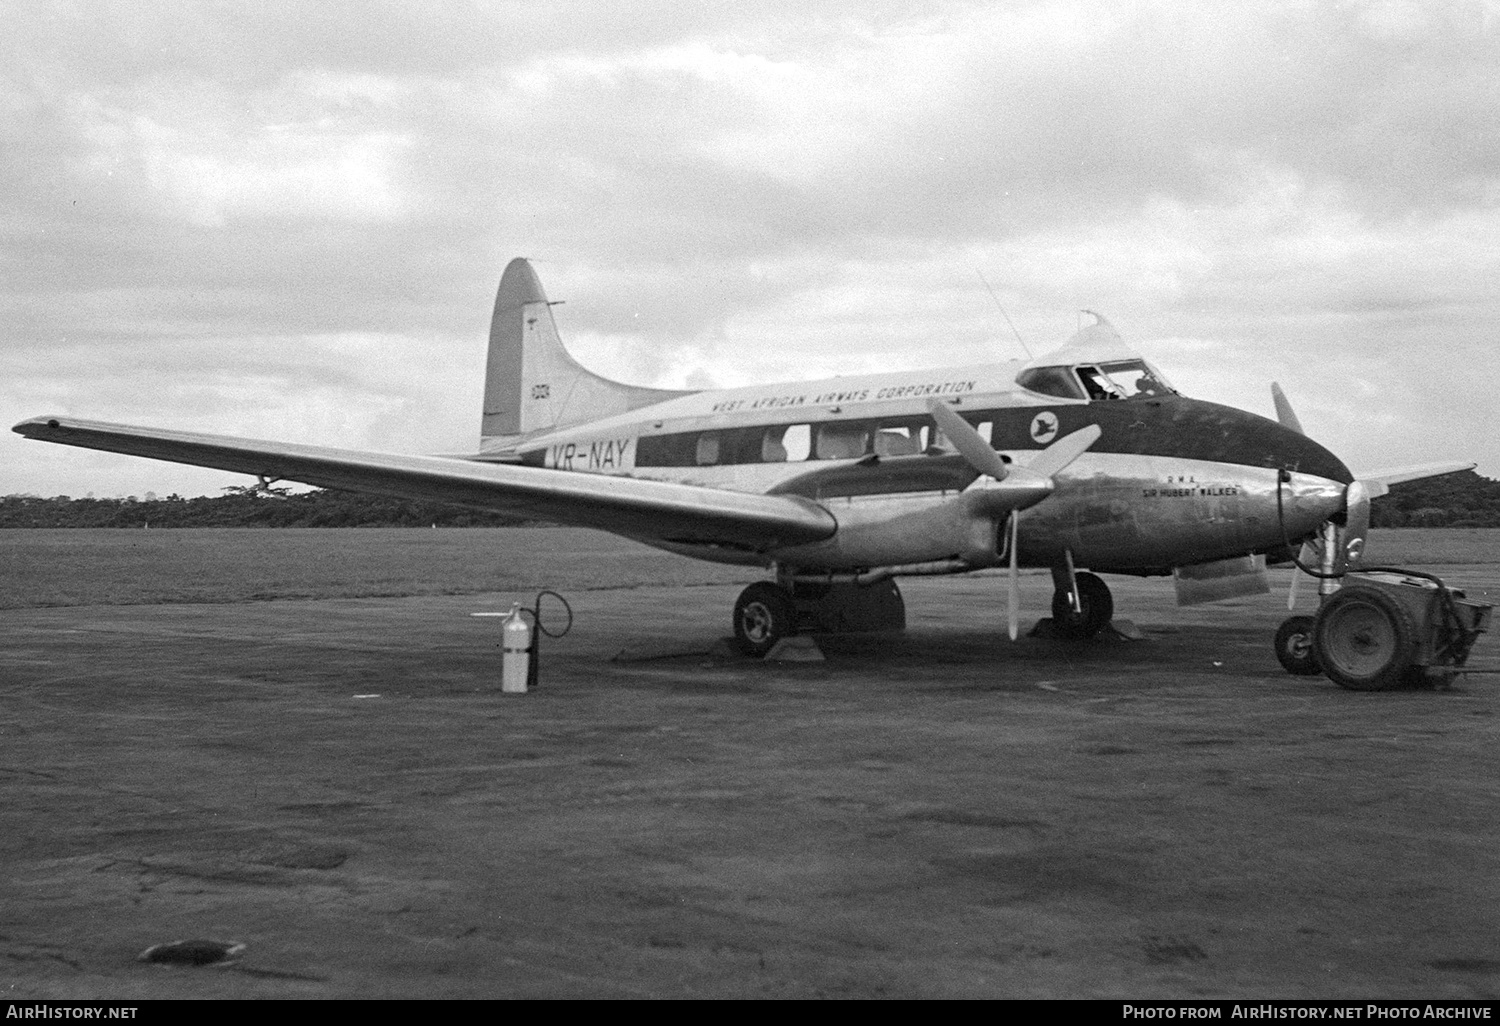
<point x="1003" y="313"/>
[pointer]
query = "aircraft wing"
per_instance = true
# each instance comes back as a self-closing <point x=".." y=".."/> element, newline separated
<point x="648" y="510"/>
<point x="1383" y="479"/>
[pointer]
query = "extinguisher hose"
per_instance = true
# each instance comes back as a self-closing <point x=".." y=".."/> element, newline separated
<point x="536" y="614"/>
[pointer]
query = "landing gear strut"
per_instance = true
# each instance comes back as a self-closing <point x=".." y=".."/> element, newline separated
<point x="1096" y="606"/>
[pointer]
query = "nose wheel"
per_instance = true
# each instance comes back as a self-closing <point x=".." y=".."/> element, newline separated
<point x="1097" y="608"/>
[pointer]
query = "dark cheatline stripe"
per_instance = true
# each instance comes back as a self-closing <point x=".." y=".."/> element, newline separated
<point x="1188" y="429"/>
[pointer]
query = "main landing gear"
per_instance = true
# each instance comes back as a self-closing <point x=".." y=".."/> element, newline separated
<point x="766" y="611"/>
<point x="763" y="615"/>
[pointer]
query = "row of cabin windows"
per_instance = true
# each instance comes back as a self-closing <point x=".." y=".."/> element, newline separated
<point x="793" y="443"/>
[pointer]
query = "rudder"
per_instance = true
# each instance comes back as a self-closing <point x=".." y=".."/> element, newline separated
<point x="531" y="383"/>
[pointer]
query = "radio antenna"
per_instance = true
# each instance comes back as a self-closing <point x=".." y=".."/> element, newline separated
<point x="1003" y="313"/>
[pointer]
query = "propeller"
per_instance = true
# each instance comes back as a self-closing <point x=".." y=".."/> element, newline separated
<point x="1017" y="487"/>
<point x="1311" y="555"/>
<point x="1357" y="497"/>
<point x="1013" y="589"/>
<point x="1284" y="412"/>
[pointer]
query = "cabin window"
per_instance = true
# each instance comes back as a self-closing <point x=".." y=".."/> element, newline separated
<point x="798" y="442"/>
<point x="935" y="439"/>
<point x="1053" y="381"/>
<point x="896" y="442"/>
<point x="771" y="448"/>
<point x="708" y="449"/>
<point x="898" y="438"/>
<point x="842" y="441"/>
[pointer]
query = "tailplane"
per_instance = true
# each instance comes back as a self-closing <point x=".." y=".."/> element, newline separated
<point x="531" y="384"/>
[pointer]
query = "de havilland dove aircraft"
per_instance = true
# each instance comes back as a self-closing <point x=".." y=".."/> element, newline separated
<point x="1083" y="461"/>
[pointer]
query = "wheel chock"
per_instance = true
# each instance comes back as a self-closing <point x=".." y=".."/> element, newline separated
<point x="799" y="648"/>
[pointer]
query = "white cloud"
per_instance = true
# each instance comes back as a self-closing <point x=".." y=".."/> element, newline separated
<point x="287" y="220"/>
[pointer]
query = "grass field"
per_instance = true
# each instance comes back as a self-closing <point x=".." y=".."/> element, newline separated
<point x="132" y="567"/>
<point x="129" y="567"/>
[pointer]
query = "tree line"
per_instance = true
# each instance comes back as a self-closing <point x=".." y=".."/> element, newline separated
<point x="1454" y="500"/>
<point x="245" y="507"/>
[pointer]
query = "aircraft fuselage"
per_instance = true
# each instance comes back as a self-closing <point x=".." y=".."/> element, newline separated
<point x="1171" y="480"/>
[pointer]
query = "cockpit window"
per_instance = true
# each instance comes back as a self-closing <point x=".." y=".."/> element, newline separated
<point x="1132" y="378"/>
<point x="1124" y="379"/>
<point x="1097" y="384"/>
<point x="1119" y="379"/>
<point x="1054" y="381"/>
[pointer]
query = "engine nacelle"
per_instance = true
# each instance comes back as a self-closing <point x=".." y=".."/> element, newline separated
<point x="889" y="530"/>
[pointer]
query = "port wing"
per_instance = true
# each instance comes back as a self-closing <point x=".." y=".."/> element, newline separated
<point x="647" y="510"/>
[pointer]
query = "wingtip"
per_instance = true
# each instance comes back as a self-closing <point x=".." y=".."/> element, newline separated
<point x="36" y="425"/>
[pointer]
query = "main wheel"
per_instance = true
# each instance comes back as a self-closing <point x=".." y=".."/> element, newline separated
<point x="1098" y="608"/>
<point x="1364" y="639"/>
<point x="763" y="615"/>
<point x="1294" y="646"/>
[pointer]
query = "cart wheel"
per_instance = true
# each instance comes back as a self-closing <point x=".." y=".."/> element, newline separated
<point x="1364" y="639"/>
<point x="1294" y="647"/>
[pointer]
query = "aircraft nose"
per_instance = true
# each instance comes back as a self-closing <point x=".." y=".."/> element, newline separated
<point x="1308" y="500"/>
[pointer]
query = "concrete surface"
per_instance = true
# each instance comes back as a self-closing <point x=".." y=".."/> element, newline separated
<point x="340" y="785"/>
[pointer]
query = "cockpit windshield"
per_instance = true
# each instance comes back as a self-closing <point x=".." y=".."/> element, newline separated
<point x="1132" y="378"/>
<point x="1117" y="379"/>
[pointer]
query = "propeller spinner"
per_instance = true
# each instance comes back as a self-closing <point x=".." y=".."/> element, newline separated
<point x="1350" y="538"/>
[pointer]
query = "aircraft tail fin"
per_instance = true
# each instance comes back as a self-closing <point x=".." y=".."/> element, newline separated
<point x="531" y="383"/>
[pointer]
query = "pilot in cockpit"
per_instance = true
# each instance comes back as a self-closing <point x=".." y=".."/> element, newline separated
<point x="1097" y="385"/>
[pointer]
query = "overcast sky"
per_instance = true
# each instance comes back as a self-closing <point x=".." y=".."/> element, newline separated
<point x="287" y="220"/>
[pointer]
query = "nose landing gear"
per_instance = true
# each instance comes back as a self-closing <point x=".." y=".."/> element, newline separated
<point x="1096" y="607"/>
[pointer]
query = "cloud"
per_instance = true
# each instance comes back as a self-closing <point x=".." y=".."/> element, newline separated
<point x="279" y="218"/>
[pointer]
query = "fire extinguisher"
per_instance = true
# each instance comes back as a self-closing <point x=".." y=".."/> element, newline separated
<point x="520" y="643"/>
<point x="515" y="644"/>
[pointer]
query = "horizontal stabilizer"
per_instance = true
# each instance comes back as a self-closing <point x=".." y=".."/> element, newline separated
<point x="1379" y="481"/>
<point x="649" y="510"/>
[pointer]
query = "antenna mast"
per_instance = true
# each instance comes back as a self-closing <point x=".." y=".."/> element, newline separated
<point x="1003" y="313"/>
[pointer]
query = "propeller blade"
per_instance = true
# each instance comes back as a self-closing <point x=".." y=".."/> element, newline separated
<point x="1284" y="411"/>
<point x="1014" y="609"/>
<point x="1056" y="457"/>
<point x="1357" y="526"/>
<point x="969" y="443"/>
<point x="1308" y="556"/>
